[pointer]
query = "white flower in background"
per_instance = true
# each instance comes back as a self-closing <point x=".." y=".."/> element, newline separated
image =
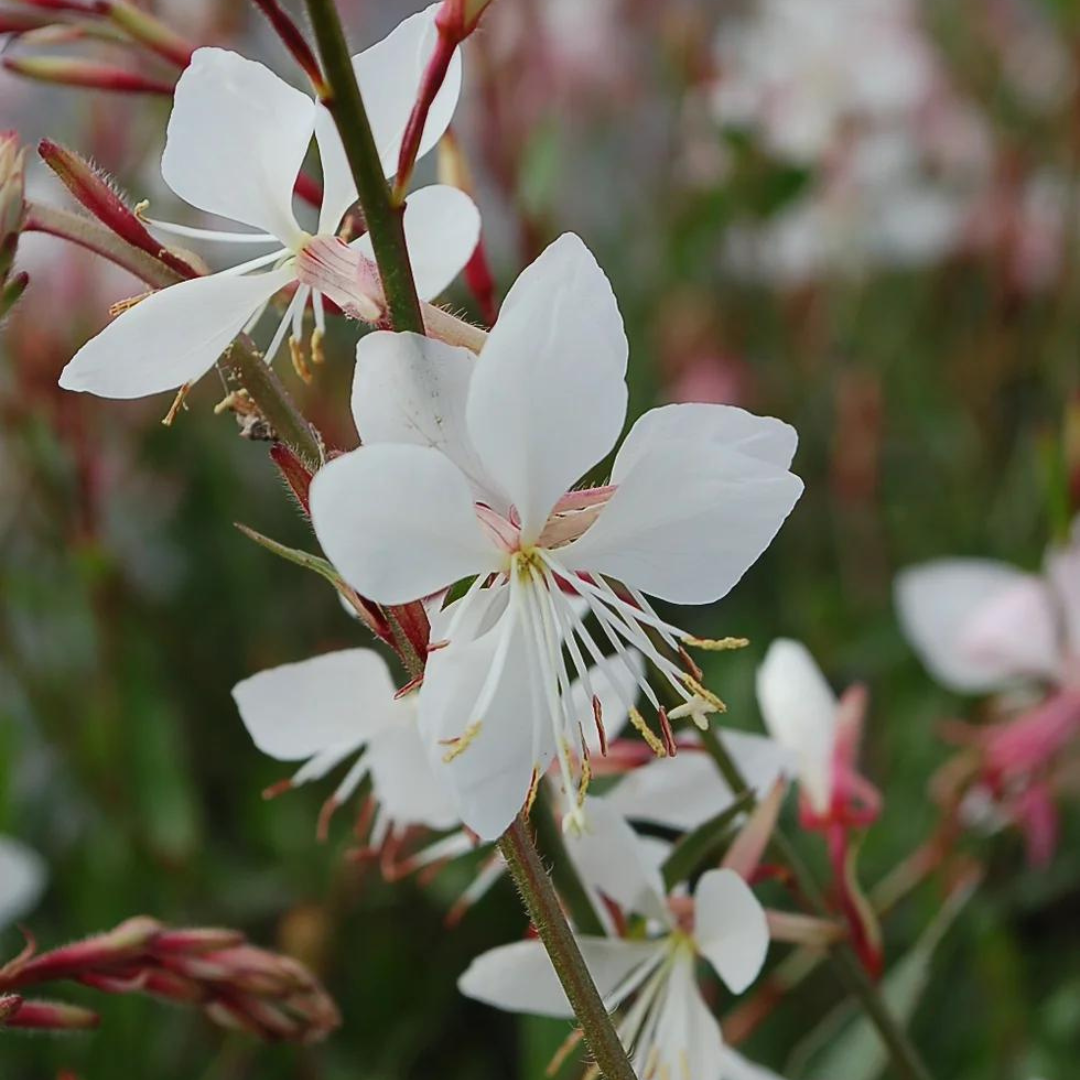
<point x="668" y="1029"/>
<point x="341" y="705"/>
<point x="981" y="625"/>
<point x="22" y="880"/>
<point x="801" y="71"/>
<point x="236" y="141"/>
<point x="465" y="472"/>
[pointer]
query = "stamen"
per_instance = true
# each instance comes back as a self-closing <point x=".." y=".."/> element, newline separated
<point x="717" y="644"/>
<point x="193" y="233"/>
<point x="460" y="743"/>
<point x="655" y="745"/>
<point x="598" y="719"/>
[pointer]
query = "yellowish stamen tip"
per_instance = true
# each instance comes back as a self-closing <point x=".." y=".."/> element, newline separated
<point x="650" y="737"/>
<point x="459" y="745"/>
<point x="299" y="362"/>
<point x="724" y="644"/>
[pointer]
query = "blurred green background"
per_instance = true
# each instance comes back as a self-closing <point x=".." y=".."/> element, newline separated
<point x="933" y="404"/>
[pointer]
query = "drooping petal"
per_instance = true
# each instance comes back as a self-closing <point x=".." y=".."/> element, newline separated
<point x="730" y="928"/>
<point x="686" y="523"/>
<point x="403" y="782"/>
<point x="172" y="337"/>
<point x="608" y="856"/>
<point x="703" y="429"/>
<point x="398" y="522"/>
<point x="520" y="978"/>
<point x="977" y="623"/>
<point x="442" y="227"/>
<point x="339" y="188"/>
<point x="549" y="399"/>
<point x="687" y="1039"/>
<point x="683" y="792"/>
<point x="22" y="880"/>
<point x="487" y="762"/>
<point x="236" y="140"/>
<point x="800" y="710"/>
<point x="297" y="710"/>
<point x="389" y="75"/>
<point x="413" y="389"/>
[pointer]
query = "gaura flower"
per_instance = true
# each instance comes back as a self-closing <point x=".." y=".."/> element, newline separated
<point x="978" y="626"/>
<point x="668" y="1029"/>
<point x="237" y="138"/>
<point x="465" y="472"/>
<point x="22" y="879"/>
<point x="823" y="733"/>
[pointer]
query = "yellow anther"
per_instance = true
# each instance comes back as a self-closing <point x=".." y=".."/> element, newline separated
<point x="317" y="354"/>
<point x="299" y="362"/>
<point x="723" y="644"/>
<point x="459" y="745"/>
<point x="583" y="784"/>
<point x="179" y="402"/>
<point x="125" y="305"/>
<point x="702" y="692"/>
<point x="534" y="790"/>
<point x="655" y="745"/>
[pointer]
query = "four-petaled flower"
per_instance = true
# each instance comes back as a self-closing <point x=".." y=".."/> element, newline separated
<point x="237" y="138"/>
<point x="465" y="472"/>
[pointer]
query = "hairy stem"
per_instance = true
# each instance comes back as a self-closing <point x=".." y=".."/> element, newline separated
<point x="905" y="1058"/>
<point x="523" y="860"/>
<point x="385" y="221"/>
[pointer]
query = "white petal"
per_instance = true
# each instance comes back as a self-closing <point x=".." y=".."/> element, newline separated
<point x="172" y="337"/>
<point x="687" y="1037"/>
<point x="407" y="789"/>
<point x="730" y="928"/>
<point x="398" y="522"/>
<point x="389" y="74"/>
<point x="520" y="978"/>
<point x="489" y="780"/>
<point x="800" y="710"/>
<point x="608" y="856"/>
<point x="683" y="792"/>
<point x="22" y="880"/>
<point x="704" y="428"/>
<point x="686" y="523"/>
<point x="236" y="140"/>
<point x="442" y="228"/>
<point x="339" y="189"/>
<point x="549" y="399"/>
<point x="297" y="710"/>
<point x="976" y="623"/>
<point x="413" y="389"/>
<point x="1063" y="570"/>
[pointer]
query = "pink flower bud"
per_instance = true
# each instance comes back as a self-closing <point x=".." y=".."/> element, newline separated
<point x="72" y="72"/>
<point x="48" y="1016"/>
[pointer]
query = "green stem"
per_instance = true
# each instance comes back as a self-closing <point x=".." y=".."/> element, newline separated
<point x="523" y="860"/>
<point x="852" y="974"/>
<point x="385" y="221"/>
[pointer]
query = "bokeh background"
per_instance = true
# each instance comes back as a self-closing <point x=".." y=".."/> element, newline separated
<point x="871" y="233"/>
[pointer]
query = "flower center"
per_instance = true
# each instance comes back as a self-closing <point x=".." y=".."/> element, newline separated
<point x="343" y="274"/>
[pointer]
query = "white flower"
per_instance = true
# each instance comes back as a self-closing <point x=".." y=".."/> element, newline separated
<point x="330" y="708"/>
<point x="465" y="471"/>
<point x="668" y="1029"/>
<point x="237" y="138"/>
<point x="22" y="879"/>
<point x="979" y="625"/>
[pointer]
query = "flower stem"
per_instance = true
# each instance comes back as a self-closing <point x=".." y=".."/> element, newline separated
<point x="852" y="974"/>
<point x="385" y="221"/>
<point x="518" y="850"/>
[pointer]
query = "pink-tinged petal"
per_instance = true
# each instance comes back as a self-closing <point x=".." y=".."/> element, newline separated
<point x="685" y="526"/>
<point x="398" y="522"/>
<point x="800" y="710"/>
<point x="403" y="783"/>
<point x="442" y="228"/>
<point x="172" y="337"/>
<point x="702" y="429"/>
<point x="730" y="928"/>
<point x="520" y="978"/>
<point x="486" y="762"/>
<point x="22" y="880"/>
<point x="297" y="710"/>
<point x="413" y="389"/>
<point x="339" y="188"/>
<point x="549" y="399"/>
<point x="236" y="140"/>
<point x="389" y="75"/>
<point x="976" y="624"/>
<point x="608" y="855"/>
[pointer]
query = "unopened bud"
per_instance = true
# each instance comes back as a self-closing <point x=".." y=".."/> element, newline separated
<point x="12" y="198"/>
<point x="72" y="72"/>
<point x="49" y="1016"/>
<point x="144" y="28"/>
